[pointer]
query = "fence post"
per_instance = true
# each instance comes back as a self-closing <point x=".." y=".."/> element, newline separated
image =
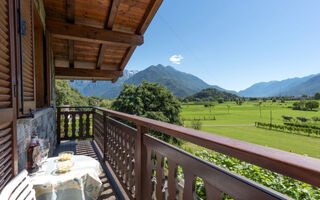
<point x="58" y="125"/>
<point x="140" y="163"/>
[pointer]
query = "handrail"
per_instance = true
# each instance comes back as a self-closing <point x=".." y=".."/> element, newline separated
<point x="296" y="166"/>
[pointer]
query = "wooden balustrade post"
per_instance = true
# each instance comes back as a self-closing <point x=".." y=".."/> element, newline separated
<point x="93" y="123"/>
<point x="105" y="124"/>
<point x="58" y="125"/>
<point x="140" y="163"/>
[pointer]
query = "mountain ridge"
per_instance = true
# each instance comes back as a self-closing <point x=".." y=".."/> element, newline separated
<point x="184" y="84"/>
<point x="281" y="88"/>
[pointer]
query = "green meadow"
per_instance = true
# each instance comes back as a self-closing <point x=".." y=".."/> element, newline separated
<point x="237" y="121"/>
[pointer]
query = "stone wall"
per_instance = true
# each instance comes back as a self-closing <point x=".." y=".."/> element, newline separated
<point x="44" y="124"/>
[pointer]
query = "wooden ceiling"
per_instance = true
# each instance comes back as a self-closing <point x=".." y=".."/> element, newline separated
<point x="94" y="39"/>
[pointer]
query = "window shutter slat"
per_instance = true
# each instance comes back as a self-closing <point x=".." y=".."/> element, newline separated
<point x="7" y="100"/>
<point x="28" y="69"/>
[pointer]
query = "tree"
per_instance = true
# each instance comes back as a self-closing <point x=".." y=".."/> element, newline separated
<point x="150" y="100"/>
<point x="312" y="104"/>
<point x="317" y="96"/>
<point x="66" y="95"/>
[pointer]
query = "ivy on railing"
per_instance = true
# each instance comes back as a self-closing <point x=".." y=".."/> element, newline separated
<point x="285" y="185"/>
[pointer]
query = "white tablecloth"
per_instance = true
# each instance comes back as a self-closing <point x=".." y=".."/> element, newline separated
<point x="80" y="183"/>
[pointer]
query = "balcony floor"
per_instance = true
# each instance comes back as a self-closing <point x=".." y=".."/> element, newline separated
<point x="88" y="148"/>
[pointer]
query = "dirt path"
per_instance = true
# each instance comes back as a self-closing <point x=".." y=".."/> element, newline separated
<point x="208" y="125"/>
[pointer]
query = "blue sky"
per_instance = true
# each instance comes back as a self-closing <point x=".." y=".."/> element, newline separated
<point x="234" y="43"/>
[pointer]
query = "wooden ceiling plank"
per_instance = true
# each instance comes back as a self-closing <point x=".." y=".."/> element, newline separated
<point x="110" y="21"/>
<point x="94" y="73"/>
<point x="70" y="31"/>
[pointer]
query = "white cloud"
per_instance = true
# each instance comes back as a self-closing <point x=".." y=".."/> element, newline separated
<point x="176" y="59"/>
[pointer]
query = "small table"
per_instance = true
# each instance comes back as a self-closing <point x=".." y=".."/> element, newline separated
<point x="80" y="183"/>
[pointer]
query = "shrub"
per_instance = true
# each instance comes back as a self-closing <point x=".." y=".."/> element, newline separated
<point x="196" y="124"/>
<point x="288" y="118"/>
<point x="303" y="119"/>
<point x="316" y="119"/>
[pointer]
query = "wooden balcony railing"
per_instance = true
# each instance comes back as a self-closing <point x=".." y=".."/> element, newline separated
<point x="147" y="167"/>
<point x="74" y="123"/>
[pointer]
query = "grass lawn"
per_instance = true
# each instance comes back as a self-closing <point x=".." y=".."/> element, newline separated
<point x="247" y="114"/>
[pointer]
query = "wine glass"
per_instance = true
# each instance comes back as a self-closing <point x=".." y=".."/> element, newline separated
<point x="37" y="157"/>
<point x="45" y="149"/>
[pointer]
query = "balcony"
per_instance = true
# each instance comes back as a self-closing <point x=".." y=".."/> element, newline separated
<point x="144" y="167"/>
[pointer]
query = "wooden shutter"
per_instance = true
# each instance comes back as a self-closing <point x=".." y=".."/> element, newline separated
<point x="28" y="68"/>
<point x="8" y="149"/>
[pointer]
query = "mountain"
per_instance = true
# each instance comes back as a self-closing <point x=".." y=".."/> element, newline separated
<point x="288" y="87"/>
<point x="180" y="83"/>
<point x="309" y="87"/>
<point x="212" y="94"/>
<point x="99" y="88"/>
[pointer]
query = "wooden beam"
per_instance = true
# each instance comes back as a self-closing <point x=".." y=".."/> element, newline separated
<point x="148" y="16"/>
<point x="126" y="57"/>
<point x="69" y="31"/>
<point x="70" y="11"/>
<point x="71" y="53"/>
<point x="113" y="13"/>
<point x="110" y="21"/>
<point x="101" y="55"/>
<point x="124" y="61"/>
<point x="86" y="73"/>
<point x="85" y="64"/>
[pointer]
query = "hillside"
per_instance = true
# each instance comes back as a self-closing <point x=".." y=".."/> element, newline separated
<point x="100" y="88"/>
<point x="283" y="88"/>
<point x="309" y="87"/>
<point x="212" y="94"/>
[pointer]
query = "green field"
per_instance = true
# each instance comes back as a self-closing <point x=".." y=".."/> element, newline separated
<point x="238" y="123"/>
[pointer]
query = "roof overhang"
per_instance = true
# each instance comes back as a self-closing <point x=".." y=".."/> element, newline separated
<point x="94" y="40"/>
